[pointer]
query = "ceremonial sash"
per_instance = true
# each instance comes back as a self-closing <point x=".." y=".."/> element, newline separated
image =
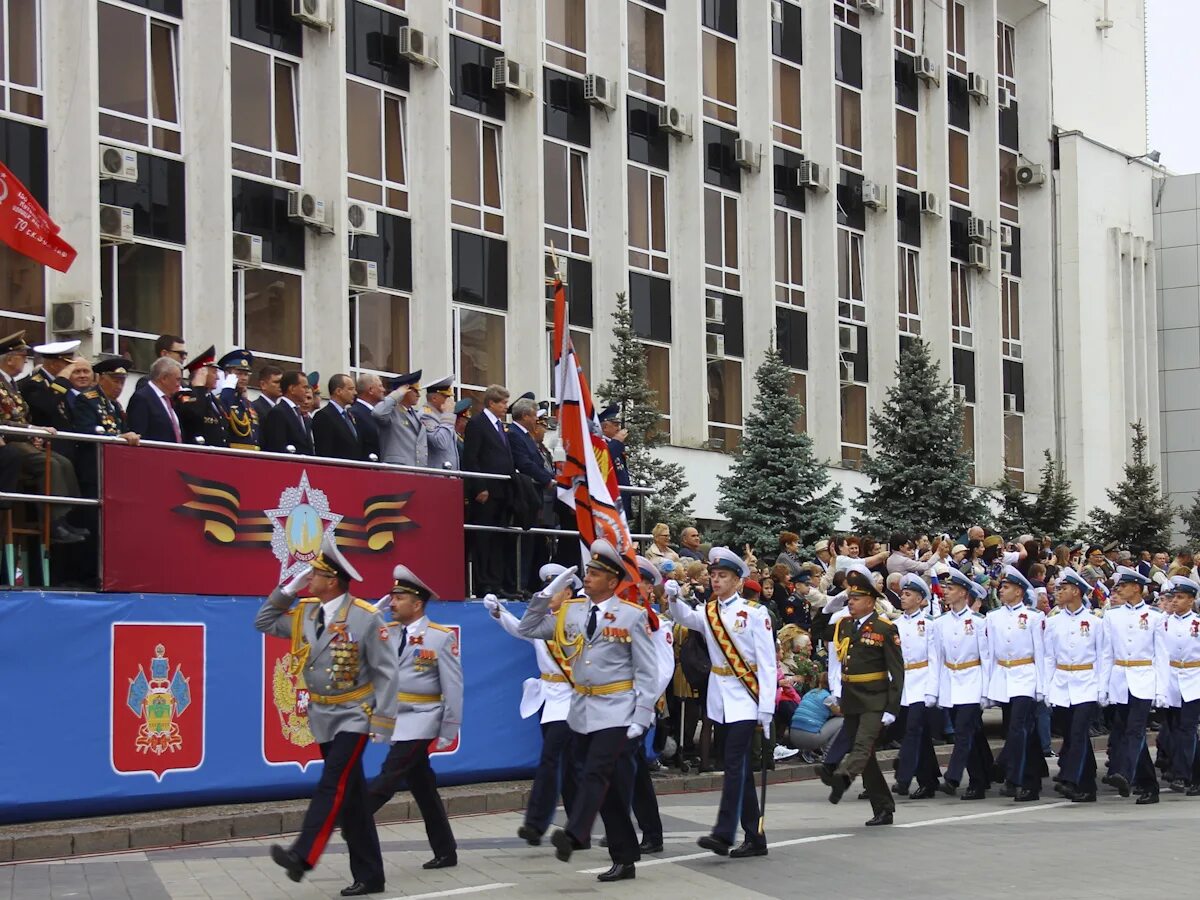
<point x="729" y="650"/>
<point x="560" y="660"/>
<point x="300" y="647"/>
<point x="841" y="644"/>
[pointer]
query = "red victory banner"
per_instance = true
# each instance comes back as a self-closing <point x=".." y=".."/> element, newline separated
<point x="26" y="227"/>
<point x="208" y="523"/>
<point x="157" y="698"/>
<point x="286" y="738"/>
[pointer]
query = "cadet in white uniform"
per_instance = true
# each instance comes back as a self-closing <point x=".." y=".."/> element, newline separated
<point x="917" y="755"/>
<point x="741" y="694"/>
<point x="1178" y="664"/>
<point x="1076" y="676"/>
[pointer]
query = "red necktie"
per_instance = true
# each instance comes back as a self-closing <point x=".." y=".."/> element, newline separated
<point x="174" y="421"/>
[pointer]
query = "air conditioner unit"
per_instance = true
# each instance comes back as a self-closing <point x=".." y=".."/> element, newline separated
<point x="364" y="275"/>
<point x="714" y="310"/>
<point x="870" y="6"/>
<point x="1003" y="97"/>
<point x="745" y="154"/>
<point x="777" y="11"/>
<point x="931" y="204"/>
<point x="116" y="224"/>
<point x="960" y="393"/>
<point x="979" y="231"/>
<point x="247" y="250"/>
<point x="874" y="195"/>
<point x="71" y="317"/>
<point x="314" y="13"/>
<point x="118" y="163"/>
<point x="597" y="91"/>
<point x="810" y="176"/>
<point x="1031" y="175"/>
<point x="509" y="75"/>
<point x="714" y="346"/>
<point x="927" y="70"/>
<point x="977" y="86"/>
<point x="414" y="46"/>
<point x="672" y="121"/>
<point x="363" y="219"/>
<point x="978" y="257"/>
<point x="1006" y="235"/>
<point x="307" y="208"/>
<point x="1010" y="403"/>
<point x="848" y="339"/>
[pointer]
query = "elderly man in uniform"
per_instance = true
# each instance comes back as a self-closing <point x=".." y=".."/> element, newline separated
<point x="1076" y="675"/>
<point x="1177" y="663"/>
<point x="430" y="703"/>
<point x="1014" y="633"/>
<point x="1134" y="628"/>
<point x="341" y="647"/>
<point x="615" y="669"/>
<point x="402" y="437"/>
<point x="741" y="693"/>
<point x="438" y="418"/>
<point x="551" y="692"/>
<point x="962" y="657"/>
<point x="241" y="416"/>
<point x="202" y="417"/>
<point x="917" y="757"/>
<point x="614" y="435"/>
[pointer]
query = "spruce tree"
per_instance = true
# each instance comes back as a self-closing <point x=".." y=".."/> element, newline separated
<point x="921" y="478"/>
<point x="1191" y="523"/>
<point x="1014" y="517"/>
<point x="629" y="389"/>
<point x="1054" y="509"/>
<point x="1141" y="517"/>
<point x="775" y="483"/>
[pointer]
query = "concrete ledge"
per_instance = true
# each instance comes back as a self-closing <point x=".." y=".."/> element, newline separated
<point x="165" y="832"/>
<point x="257" y="824"/>
<point x="42" y="846"/>
<point x="6" y="850"/>
<point x="100" y="840"/>
<point x="198" y="831"/>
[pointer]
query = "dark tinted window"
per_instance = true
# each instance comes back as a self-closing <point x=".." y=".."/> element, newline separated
<point x="731" y="325"/>
<point x="480" y="270"/>
<point x="567" y="116"/>
<point x="267" y="22"/>
<point x="578" y="273"/>
<point x="720" y="15"/>
<point x="786" y="192"/>
<point x="373" y="45"/>
<point x="23" y="150"/>
<point x="1015" y="252"/>
<point x="964" y="371"/>
<point x="958" y="233"/>
<point x="847" y="56"/>
<point x="851" y="211"/>
<point x="907" y="93"/>
<point x="471" y="78"/>
<point x="958" y="102"/>
<point x="791" y="336"/>
<point x="859" y="367"/>
<point x="262" y="209"/>
<point x="787" y="37"/>
<point x="908" y="217"/>
<point x="391" y="250"/>
<point x="1009" y="132"/>
<point x="719" y="167"/>
<point x="166" y="7"/>
<point x="647" y="143"/>
<point x="650" y="304"/>
<point x="1014" y="381"/>
<point x="157" y="198"/>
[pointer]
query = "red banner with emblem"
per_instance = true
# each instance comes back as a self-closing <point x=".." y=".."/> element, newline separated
<point x="195" y="522"/>
<point x="27" y="228"/>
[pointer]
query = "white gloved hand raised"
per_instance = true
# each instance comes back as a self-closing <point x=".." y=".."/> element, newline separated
<point x="561" y="580"/>
<point x="492" y="605"/>
<point x="228" y="380"/>
<point x="635" y="731"/>
<point x="671" y="588"/>
<point x="887" y="719"/>
<point x="298" y="582"/>
<point x="836" y="602"/>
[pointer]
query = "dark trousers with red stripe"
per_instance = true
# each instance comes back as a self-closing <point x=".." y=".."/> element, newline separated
<point x="341" y="793"/>
<point x="409" y="761"/>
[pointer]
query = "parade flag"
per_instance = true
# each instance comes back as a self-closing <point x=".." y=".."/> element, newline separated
<point x="588" y="480"/>
<point x="26" y="227"/>
<point x="935" y="586"/>
<point x="1100" y="593"/>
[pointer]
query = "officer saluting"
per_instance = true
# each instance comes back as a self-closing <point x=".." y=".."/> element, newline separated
<point x="614" y="667"/>
<point x="430" y="703"/>
<point x="741" y="693"/>
<point x="917" y="756"/>
<point x="201" y="414"/>
<point x="340" y="646"/>
<point x="241" y="417"/>
<point x="1177" y="662"/>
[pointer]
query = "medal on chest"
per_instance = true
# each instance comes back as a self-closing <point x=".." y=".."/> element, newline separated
<point x="1195" y="627"/>
<point x="346" y="662"/>
<point x="1023" y="621"/>
<point x="968" y="625"/>
<point x="1085" y="628"/>
<point x="740" y="620"/>
<point x="1144" y="622"/>
<point x="920" y="627"/>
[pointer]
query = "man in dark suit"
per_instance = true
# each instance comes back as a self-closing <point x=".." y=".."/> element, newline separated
<point x="336" y="429"/>
<point x="486" y="449"/>
<point x="151" y="412"/>
<point x="370" y="391"/>
<point x="286" y="427"/>
<point x="530" y="463"/>
<point x="270" y="390"/>
<point x="614" y="434"/>
<point x="170" y="346"/>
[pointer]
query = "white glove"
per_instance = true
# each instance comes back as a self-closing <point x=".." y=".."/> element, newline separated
<point x="930" y="701"/>
<point x="1039" y="697"/>
<point x="444" y="743"/>
<point x="298" y="583"/>
<point x="1160" y="702"/>
<point x="887" y="719"/>
<point x="1049" y="703"/>
<point x="1103" y="699"/>
<point x="671" y="588"/>
<point x="492" y="605"/>
<point x="985" y="703"/>
<point x="561" y="580"/>
<point x="635" y="731"/>
<point x="228" y="380"/>
<point x="836" y="699"/>
<point x="836" y="602"/>
<point x="764" y="722"/>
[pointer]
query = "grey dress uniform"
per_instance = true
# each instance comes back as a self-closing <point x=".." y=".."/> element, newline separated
<point x="402" y="437"/>
<point x="441" y="438"/>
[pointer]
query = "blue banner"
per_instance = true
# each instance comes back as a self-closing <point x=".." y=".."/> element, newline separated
<point x="116" y="703"/>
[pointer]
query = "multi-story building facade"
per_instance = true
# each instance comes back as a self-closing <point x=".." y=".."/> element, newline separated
<point x="839" y="176"/>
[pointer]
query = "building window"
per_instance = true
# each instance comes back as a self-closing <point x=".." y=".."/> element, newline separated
<point x="904" y="25"/>
<point x="375" y="129"/>
<point x="849" y="127"/>
<point x="268" y="313"/>
<point x="721" y="267"/>
<point x="720" y="77"/>
<point x="786" y="120"/>
<point x="956" y="37"/>
<point x="851" y="294"/>
<point x="647" y="219"/>
<point x="566" y="197"/>
<point x="479" y="337"/>
<point x="854" y="423"/>
<point x="968" y="437"/>
<point x="906" y="148"/>
<point x="960" y="168"/>
<point x="1009" y="192"/>
<point x="789" y="258"/>
<point x="566" y="34"/>
<point x="21" y="91"/>
<point x="265" y="113"/>
<point x="908" y="279"/>
<point x="139" y="78"/>
<point x="476" y="190"/>
<point x="582" y="342"/>
<point x="477" y="18"/>
<point x="141" y="297"/>
<point x="799" y="390"/>
<point x="846" y="11"/>
<point x="1014" y="449"/>
<point x="647" y="66"/>
<point x="724" y="404"/>
<point x="1010" y="317"/>
<point x="23" y="297"/>
<point x="658" y="376"/>
<point x="1006" y="58"/>
<point x="379" y="333"/>
<point x="961" y="331"/>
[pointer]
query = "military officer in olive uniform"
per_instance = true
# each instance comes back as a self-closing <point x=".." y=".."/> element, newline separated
<point x="872" y="683"/>
<point x="241" y="418"/>
<point x="342" y="649"/>
<point x="430" y="704"/>
<point x="201" y="414"/>
<point x="615" y="669"/>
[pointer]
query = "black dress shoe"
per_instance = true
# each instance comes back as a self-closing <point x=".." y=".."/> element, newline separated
<point x="603" y="842"/>
<point x="563" y="845"/>
<point x="619" y="872"/>
<point x="923" y="793"/>
<point x="1120" y="782"/>
<point x="949" y="788"/>
<point x="449" y="861"/>
<point x="900" y="790"/>
<point x="1083" y="797"/>
<point x="361" y="889"/>
<point x="973" y="794"/>
<point x="1026" y="795"/>
<point x="1147" y="798"/>
<point x="864" y="795"/>
<point x="530" y="835"/>
<point x="748" y="848"/>
<point x="714" y="843"/>
<point x="1193" y="791"/>
<point x="881" y="818"/>
<point x="289" y="861"/>
<point x="651" y="846"/>
<point x="1179" y="786"/>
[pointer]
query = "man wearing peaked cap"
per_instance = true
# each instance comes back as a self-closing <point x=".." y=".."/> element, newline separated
<point x="438" y="418"/>
<point x="340" y="644"/>
<point x="741" y="694"/>
<point x="614" y="435"/>
<point x="430" y="704"/>
<point x="402" y="438"/>
<point x="202" y="415"/>
<point x="1014" y="632"/>
<point x="46" y="390"/>
<point x="241" y="416"/>
<point x="614" y="666"/>
<point x="917" y="756"/>
<point x="551" y="693"/>
<point x="1177" y="665"/>
<point x="1134" y="630"/>
<point x="645" y="800"/>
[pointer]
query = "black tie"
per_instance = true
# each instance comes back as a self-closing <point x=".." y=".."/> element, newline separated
<point x="591" y="623"/>
<point x="350" y="422"/>
<point x="403" y="640"/>
<point x="320" y="621"/>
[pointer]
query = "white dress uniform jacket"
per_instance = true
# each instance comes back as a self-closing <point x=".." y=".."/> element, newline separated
<point x="960" y="654"/>
<point x="430" y="684"/>
<point x="1133" y="632"/>
<point x="1078" y="658"/>
<point x="916" y="630"/>
<point x="1016" y="640"/>
<point x="550" y="690"/>
<point x="1178" y="658"/>
<point x="749" y="627"/>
